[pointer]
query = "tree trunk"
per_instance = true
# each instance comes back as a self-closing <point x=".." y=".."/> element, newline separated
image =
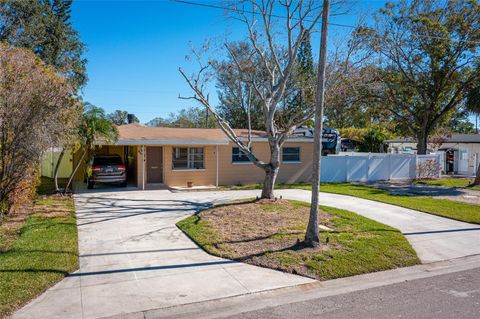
<point x="57" y="167"/>
<point x="74" y="171"/>
<point x="269" y="182"/>
<point x="312" y="236"/>
<point x="422" y="143"/>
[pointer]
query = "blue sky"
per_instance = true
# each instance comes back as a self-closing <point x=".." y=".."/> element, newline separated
<point x="134" y="49"/>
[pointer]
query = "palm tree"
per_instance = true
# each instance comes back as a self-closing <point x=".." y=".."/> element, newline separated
<point x="94" y="126"/>
<point x="473" y="106"/>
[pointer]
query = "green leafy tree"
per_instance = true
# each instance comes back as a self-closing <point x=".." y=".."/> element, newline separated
<point x="427" y="51"/>
<point x="188" y="117"/>
<point x="372" y="140"/>
<point x="460" y="123"/>
<point x="121" y="117"/>
<point x="45" y="27"/>
<point x="302" y="87"/>
<point x="94" y="126"/>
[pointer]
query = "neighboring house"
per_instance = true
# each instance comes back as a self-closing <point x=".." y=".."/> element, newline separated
<point x="460" y="152"/>
<point x="176" y="157"/>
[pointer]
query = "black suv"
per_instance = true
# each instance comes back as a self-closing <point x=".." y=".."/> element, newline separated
<point x="107" y="169"/>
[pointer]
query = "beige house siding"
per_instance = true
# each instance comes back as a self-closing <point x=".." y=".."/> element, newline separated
<point x="180" y="177"/>
<point x="246" y="173"/>
<point x="228" y="173"/>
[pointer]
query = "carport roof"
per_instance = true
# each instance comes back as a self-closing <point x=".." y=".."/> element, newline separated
<point x="135" y="134"/>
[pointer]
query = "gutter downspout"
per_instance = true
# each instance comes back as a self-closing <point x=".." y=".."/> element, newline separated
<point x="216" y="176"/>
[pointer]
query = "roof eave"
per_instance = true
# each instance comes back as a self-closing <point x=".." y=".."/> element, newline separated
<point x="169" y="142"/>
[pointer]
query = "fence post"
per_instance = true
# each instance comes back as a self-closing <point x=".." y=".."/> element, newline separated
<point x="389" y="156"/>
<point x="368" y="166"/>
<point x="416" y="167"/>
<point x="347" y="169"/>
<point x="439" y="165"/>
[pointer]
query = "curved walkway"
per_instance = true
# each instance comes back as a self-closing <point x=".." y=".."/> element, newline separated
<point x="434" y="238"/>
<point x="134" y="258"/>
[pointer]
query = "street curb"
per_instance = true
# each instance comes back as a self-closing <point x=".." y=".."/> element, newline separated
<point x="218" y="308"/>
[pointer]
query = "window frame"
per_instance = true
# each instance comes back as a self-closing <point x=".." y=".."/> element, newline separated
<point x="291" y="161"/>
<point x="192" y="152"/>
<point x="242" y="154"/>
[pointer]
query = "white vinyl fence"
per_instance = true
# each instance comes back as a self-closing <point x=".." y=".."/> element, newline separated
<point x="365" y="167"/>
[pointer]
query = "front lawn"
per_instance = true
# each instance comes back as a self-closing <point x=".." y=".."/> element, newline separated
<point x="37" y="252"/>
<point x="469" y="213"/>
<point x="269" y="233"/>
<point x="442" y="207"/>
<point x="448" y="182"/>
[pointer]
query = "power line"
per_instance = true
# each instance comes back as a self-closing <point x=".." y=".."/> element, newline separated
<point x="213" y="6"/>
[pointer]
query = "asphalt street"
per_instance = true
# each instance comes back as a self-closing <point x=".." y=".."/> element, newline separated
<point x="455" y="295"/>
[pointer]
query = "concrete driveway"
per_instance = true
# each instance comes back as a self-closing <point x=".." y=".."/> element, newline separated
<point x="133" y="258"/>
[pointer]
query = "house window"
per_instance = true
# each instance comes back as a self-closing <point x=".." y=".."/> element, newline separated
<point x="291" y="154"/>
<point x="239" y="156"/>
<point x="187" y="158"/>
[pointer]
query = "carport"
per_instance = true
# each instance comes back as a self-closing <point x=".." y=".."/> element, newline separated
<point x="127" y="152"/>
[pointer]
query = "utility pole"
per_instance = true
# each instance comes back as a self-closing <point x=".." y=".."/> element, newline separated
<point x="312" y="237"/>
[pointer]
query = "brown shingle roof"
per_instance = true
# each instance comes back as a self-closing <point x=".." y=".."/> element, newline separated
<point x="140" y="134"/>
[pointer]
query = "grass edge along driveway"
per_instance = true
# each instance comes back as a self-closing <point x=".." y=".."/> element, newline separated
<point x="460" y="211"/>
<point x="355" y="245"/>
<point x="38" y="253"/>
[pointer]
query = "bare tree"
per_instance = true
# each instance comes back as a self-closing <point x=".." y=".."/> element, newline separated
<point x="275" y="30"/>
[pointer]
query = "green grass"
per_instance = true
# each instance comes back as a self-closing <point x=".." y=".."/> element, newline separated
<point x="442" y="207"/>
<point x="465" y="212"/>
<point x="447" y="182"/>
<point x="357" y="245"/>
<point x="39" y="254"/>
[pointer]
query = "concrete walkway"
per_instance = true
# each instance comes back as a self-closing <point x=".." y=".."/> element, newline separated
<point x="133" y="258"/>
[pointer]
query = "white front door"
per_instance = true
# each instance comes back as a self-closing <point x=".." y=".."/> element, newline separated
<point x="462" y="161"/>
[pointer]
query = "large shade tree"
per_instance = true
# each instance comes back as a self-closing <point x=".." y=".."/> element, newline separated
<point x="45" y="27"/>
<point x="426" y="53"/>
<point x="275" y="31"/>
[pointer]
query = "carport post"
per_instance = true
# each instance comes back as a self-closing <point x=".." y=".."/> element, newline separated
<point x="143" y="167"/>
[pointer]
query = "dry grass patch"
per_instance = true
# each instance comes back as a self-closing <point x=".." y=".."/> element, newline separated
<point x="269" y="233"/>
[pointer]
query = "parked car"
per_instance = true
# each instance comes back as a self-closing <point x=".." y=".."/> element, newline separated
<point x="107" y="168"/>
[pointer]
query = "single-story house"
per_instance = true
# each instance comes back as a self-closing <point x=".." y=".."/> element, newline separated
<point x="460" y="152"/>
<point x="176" y="157"/>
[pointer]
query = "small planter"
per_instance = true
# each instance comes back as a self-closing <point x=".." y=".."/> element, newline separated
<point x="189" y="184"/>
